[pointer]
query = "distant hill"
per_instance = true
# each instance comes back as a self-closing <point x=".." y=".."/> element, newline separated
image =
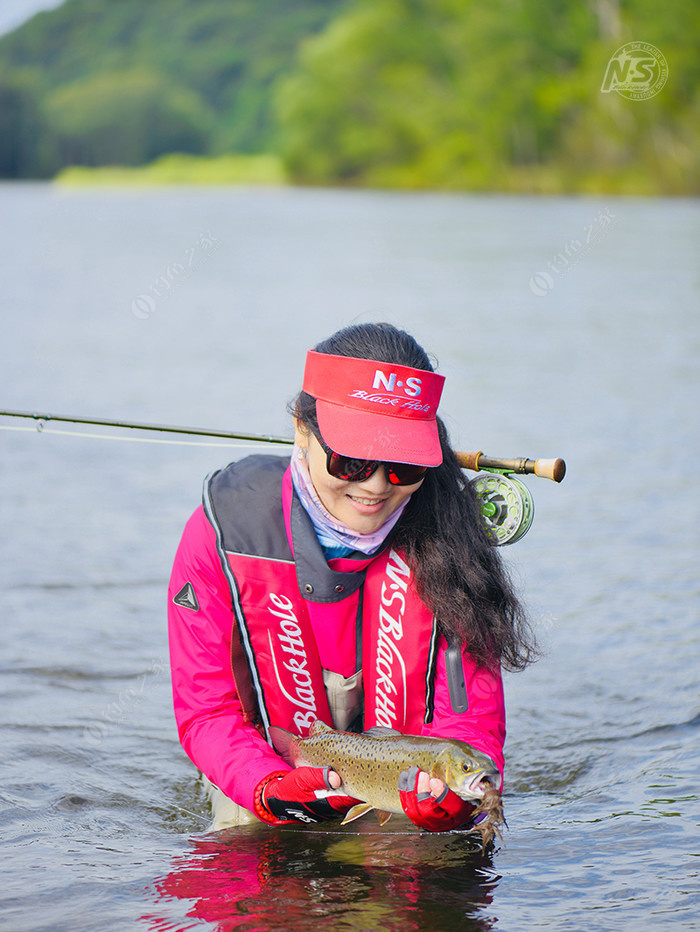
<point x="492" y="95"/>
<point x="122" y="81"/>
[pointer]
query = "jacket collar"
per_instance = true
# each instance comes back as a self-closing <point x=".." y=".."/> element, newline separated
<point x="318" y="580"/>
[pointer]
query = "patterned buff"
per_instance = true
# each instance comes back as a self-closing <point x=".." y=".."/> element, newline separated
<point x="336" y="538"/>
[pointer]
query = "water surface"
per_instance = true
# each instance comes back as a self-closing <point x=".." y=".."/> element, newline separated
<point x="102" y="820"/>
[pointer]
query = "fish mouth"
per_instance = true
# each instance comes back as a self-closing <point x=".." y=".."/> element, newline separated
<point x="479" y="783"/>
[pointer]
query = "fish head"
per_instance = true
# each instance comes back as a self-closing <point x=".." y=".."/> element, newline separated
<point x="466" y="771"/>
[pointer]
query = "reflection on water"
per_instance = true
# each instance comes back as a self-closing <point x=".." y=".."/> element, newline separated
<point x="254" y="878"/>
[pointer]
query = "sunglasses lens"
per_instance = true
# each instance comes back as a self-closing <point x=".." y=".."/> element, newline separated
<point x="348" y="469"/>
<point x="405" y="473"/>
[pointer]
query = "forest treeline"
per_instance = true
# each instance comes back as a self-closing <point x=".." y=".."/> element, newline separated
<point x="447" y="94"/>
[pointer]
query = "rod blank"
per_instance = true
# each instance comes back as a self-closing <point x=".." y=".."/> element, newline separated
<point x="133" y="425"/>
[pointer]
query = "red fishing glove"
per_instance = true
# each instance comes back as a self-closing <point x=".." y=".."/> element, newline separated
<point x="291" y="796"/>
<point x="439" y="814"/>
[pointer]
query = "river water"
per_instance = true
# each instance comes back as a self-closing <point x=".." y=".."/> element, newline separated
<point x="565" y="327"/>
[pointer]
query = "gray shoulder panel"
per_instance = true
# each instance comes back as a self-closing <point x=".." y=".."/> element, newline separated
<point x="246" y="500"/>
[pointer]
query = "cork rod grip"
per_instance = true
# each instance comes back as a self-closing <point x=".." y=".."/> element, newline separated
<point x="554" y="469"/>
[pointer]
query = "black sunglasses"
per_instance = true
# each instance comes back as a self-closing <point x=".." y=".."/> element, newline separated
<point x="350" y="469"/>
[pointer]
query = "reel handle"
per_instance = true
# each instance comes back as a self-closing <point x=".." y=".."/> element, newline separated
<point x="554" y="469"/>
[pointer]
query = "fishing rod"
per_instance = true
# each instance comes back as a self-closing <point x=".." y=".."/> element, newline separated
<point x="554" y="469"/>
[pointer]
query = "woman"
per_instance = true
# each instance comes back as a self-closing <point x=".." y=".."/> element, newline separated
<point x="355" y="585"/>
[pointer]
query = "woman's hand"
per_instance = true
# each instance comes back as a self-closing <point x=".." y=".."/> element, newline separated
<point x="429" y="804"/>
<point x="301" y="795"/>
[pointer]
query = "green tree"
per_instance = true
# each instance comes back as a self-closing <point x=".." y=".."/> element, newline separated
<point x="227" y="54"/>
<point x="126" y="118"/>
<point x="26" y="144"/>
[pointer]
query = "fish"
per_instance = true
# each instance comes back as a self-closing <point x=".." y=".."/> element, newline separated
<point x="369" y="765"/>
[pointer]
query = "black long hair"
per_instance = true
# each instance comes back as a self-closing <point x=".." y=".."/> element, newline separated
<point x="457" y="570"/>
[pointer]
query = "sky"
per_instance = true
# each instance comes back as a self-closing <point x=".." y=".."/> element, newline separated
<point x="14" y="12"/>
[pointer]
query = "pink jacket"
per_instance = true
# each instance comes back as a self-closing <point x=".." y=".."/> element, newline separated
<point x="211" y="727"/>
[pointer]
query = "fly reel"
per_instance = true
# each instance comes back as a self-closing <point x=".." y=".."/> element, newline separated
<point x="506" y="505"/>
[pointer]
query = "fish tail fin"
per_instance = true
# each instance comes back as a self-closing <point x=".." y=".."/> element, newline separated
<point x="285" y="743"/>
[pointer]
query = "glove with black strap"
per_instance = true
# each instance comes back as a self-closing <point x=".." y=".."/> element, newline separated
<point x="435" y="814"/>
<point x="301" y="796"/>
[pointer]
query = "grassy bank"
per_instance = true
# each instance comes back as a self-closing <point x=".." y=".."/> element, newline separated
<point x="182" y="169"/>
<point x="268" y="169"/>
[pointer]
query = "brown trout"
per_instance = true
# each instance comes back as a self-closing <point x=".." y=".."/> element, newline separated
<point x="369" y="766"/>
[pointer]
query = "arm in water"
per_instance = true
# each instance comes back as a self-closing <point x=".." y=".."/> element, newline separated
<point x="211" y="726"/>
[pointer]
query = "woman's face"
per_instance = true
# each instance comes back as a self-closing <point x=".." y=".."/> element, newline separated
<point x="361" y="506"/>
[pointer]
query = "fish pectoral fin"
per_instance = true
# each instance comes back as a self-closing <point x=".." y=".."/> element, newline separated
<point x="282" y="741"/>
<point x="382" y="816"/>
<point x="357" y="812"/>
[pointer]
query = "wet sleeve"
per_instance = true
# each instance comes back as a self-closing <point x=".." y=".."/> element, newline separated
<point x="229" y="751"/>
<point x="483" y="723"/>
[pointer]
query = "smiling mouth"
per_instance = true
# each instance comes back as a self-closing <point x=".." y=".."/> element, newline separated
<point x="366" y="501"/>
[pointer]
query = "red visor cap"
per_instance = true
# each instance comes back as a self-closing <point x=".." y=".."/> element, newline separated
<point x="376" y="410"/>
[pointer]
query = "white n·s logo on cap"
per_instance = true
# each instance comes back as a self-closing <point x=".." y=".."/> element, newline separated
<point x="412" y="387"/>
